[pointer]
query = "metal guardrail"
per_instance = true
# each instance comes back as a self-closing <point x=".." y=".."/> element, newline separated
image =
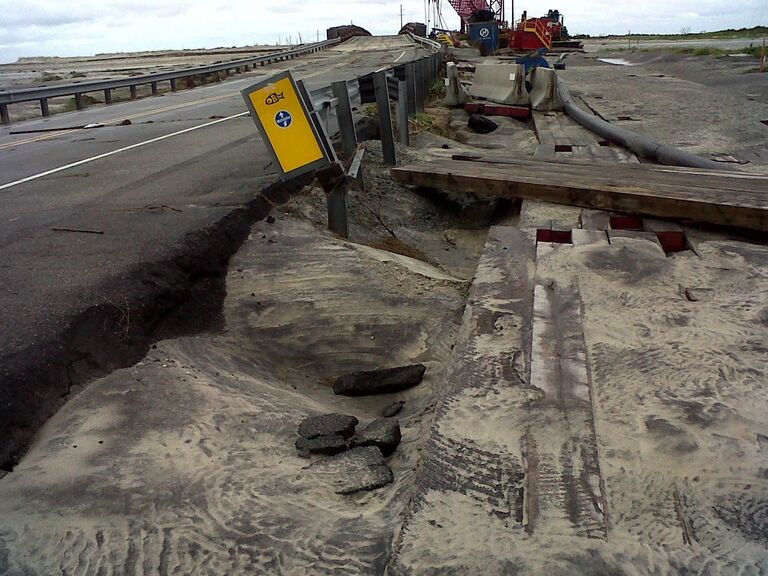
<point x="77" y="89"/>
<point x="428" y="42"/>
<point x="408" y="84"/>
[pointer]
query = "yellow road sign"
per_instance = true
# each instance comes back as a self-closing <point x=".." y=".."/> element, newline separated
<point x="284" y="121"/>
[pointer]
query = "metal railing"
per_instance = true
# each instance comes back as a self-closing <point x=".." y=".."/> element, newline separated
<point x="433" y="45"/>
<point x="77" y="89"/>
<point x="408" y="84"/>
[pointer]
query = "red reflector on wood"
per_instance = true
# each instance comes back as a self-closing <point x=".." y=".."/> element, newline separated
<point x="497" y="110"/>
<point x="673" y="241"/>
<point x="555" y="236"/>
<point x="627" y="222"/>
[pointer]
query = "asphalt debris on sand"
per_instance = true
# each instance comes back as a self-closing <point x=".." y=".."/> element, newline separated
<point x="360" y="469"/>
<point x="381" y="381"/>
<point x="481" y="124"/>
<point x="393" y="409"/>
<point x="383" y="433"/>
<point x="328" y="425"/>
<point x="326" y="445"/>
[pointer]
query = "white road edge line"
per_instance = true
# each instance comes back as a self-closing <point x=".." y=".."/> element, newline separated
<point x="401" y="55"/>
<point x="113" y="152"/>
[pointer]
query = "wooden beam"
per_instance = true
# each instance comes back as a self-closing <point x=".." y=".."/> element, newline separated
<point x="728" y="199"/>
<point x="646" y="173"/>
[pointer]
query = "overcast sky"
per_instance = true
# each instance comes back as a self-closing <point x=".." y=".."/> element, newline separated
<point x="85" y="27"/>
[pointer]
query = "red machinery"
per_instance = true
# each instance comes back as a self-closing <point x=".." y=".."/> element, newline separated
<point x="531" y="34"/>
<point x="545" y="32"/>
<point x="478" y="11"/>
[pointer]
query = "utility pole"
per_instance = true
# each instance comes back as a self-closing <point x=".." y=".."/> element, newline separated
<point x="401" y="16"/>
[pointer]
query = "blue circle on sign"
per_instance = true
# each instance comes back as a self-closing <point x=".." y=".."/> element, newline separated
<point x="283" y="119"/>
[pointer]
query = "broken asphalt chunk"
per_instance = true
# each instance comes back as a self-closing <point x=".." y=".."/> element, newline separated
<point x="393" y="409"/>
<point x="381" y="381"/>
<point x="327" y="445"/>
<point x="358" y="470"/>
<point x="383" y="433"/>
<point x="481" y="124"/>
<point x="328" y="425"/>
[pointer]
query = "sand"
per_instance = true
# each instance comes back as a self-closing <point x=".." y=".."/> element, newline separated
<point x="579" y="414"/>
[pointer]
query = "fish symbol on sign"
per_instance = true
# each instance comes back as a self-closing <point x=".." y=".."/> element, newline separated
<point x="274" y="98"/>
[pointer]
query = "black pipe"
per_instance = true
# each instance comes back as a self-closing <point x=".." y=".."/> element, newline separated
<point x="638" y="143"/>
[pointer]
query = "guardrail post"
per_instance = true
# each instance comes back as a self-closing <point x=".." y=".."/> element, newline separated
<point x="427" y="78"/>
<point x="133" y="92"/>
<point x="334" y="182"/>
<point x="173" y="84"/>
<point x="155" y="91"/>
<point x="344" y="115"/>
<point x="79" y="101"/>
<point x="44" y="107"/>
<point x="402" y="112"/>
<point x="4" y="116"/>
<point x="418" y="87"/>
<point x="410" y="81"/>
<point x="108" y="96"/>
<point x="385" y="118"/>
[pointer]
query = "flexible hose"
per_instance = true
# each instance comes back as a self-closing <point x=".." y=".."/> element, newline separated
<point x="638" y="143"/>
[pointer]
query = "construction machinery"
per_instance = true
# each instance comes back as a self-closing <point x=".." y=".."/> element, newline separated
<point x="543" y="32"/>
<point x="530" y="34"/>
<point x="471" y="11"/>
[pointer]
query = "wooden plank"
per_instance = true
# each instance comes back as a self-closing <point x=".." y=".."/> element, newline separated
<point x="559" y="500"/>
<point x="595" y="219"/>
<point x="485" y="387"/>
<point x="545" y="151"/>
<point x="605" y="153"/>
<point x="678" y="197"/>
<point x="548" y="216"/>
<point x="619" y="236"/>
<point x="654" y="225"/>
<point x="546" y="127"/>
<point x="583" y="237"/>
<point x="580" y="136"/>
<point x="640" y="176"/>
<point x="647" y="172"/>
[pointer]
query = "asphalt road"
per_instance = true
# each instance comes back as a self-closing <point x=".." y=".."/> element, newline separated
<point x="186" y="161"/>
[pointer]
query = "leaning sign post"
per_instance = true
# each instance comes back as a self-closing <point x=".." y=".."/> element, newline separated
<point x="295" y="137"/>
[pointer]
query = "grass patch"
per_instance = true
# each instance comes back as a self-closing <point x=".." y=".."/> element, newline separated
<point x="753" y="51"/>
<point x="437" y="90"/>
<point x="70" y="105"/>
<point x="75" y="74"/>
<point x="87" y="101"/>
<point x="754" y="32"/>
<point x="422" y="120"/>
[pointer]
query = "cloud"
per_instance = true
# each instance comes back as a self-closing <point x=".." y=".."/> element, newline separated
<point x="56" y="28"/>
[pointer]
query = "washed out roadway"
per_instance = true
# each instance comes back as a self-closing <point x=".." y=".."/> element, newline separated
<point x="144" y="201"/>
